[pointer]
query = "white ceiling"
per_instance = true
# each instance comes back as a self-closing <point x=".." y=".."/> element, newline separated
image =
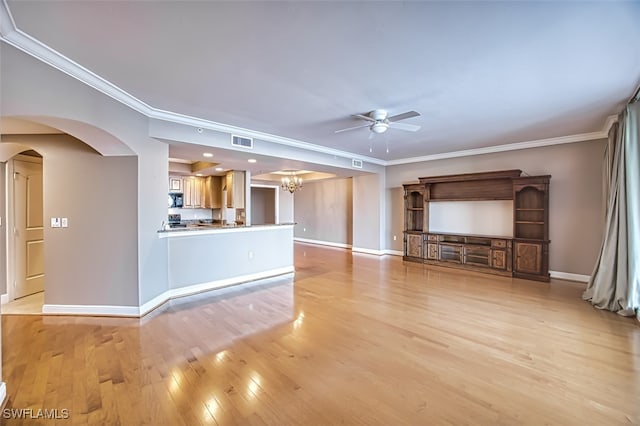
<point x="481" y="74"/>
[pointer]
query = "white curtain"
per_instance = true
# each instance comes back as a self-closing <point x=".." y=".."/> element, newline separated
<point x="615" y="282"/>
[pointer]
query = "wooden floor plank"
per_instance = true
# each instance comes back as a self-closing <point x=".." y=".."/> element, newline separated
<point x="352" y="339"/>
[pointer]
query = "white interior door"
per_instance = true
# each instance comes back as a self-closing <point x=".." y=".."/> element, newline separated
<point x="29" y="228"/>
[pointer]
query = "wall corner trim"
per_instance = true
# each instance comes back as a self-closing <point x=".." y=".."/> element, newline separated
<point x="569" y="276"/>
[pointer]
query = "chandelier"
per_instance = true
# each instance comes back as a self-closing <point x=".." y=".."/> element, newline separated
<point x="291" y="183"/>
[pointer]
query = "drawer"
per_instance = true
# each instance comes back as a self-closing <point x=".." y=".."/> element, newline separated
<point x="499" y="243"/>
<point x="432" y="237"/>
<point x="451" y="239"/>
<point x="478" y="241"/>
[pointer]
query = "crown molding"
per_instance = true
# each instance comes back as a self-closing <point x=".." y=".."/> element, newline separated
<point x="581" y="137"/>
<point x="12" y="35"/>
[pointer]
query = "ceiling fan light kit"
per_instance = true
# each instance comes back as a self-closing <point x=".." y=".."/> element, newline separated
<point x="379" y="127"/>
<point x="380" y="123"/>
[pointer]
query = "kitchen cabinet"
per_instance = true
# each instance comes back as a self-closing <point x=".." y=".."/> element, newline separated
<point x="213" y="192"/>
<point x="193" y="192"/>
<point x="235" y="185"/>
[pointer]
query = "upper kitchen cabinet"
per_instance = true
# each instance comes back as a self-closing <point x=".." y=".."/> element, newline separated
<point x="194" y="195"/>
<point x="213" y="192"/>
<point x="235" y="189"/>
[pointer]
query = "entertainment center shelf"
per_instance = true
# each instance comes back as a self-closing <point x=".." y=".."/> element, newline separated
<point x="524" y="255"/>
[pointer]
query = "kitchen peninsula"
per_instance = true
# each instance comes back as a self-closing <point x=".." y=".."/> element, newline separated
<point x="202" y="258"/>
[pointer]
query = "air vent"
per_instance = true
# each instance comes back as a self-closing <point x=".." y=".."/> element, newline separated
<point x="356" y="163"/>
<point x="241" y="142"/>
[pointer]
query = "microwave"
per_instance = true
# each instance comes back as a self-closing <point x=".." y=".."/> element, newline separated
<point x="176" y="200"/>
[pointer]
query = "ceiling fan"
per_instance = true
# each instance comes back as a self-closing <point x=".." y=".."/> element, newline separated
<point x="378" y="122"/>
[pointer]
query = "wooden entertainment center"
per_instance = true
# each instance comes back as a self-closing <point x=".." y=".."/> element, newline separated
<point x="525" y="255"/>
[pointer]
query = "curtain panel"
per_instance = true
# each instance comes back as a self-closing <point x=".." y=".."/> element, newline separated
<point x="615" y="281"/>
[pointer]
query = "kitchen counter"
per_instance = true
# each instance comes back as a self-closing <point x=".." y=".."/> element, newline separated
<point x="206" y="228"/>
<point x="202" y="258"/>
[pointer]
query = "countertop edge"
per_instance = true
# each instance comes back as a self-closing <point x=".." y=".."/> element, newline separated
<point x="188" y="232"/>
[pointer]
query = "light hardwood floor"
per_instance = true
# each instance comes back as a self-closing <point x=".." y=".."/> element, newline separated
<point x="354" y="339"/>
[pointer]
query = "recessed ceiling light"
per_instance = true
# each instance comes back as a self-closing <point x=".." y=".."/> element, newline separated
<point x="198" y="174"/>
<point x="207" y="154"/>
<point x="252" y="160"/>
<point x="219" y="169"/>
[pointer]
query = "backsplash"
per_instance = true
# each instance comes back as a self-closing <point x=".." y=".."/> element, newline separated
<point x="196" y="214"/>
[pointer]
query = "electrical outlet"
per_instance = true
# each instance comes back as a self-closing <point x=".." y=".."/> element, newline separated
<point x="65" y="222"/>
<point x="395" y="238"/>
<point x="250" y="254"/>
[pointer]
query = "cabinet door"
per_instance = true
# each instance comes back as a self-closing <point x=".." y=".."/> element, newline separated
<point x="213" y="192"/>
<point x="432" y="251"/>
<point x="414" y="245"/>
<point x="528" y="257"/>
<point x="238" y="190"/>
<point x="229" y="186"/>
<point x="498" y="259"/>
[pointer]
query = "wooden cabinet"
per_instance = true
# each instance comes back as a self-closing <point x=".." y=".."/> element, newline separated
<point x="235" y="186"/>
<point x="474" y="252"/>
<point x="526" y="255"/>
<point x="413" y="244"/>
<point x="531" y="227"/>
<point x="193" y="192"/>
<point x="213" y="192"/>
<point x="414" y="222"/>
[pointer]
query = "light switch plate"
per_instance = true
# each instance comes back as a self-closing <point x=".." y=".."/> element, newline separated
<point x="55" y="222"/>
<point x="65" y="222"/>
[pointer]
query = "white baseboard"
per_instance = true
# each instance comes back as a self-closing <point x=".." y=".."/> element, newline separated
<point x="368" y="251"/>
<point x="93" y="310"/>
<point x="569" y="276"/>
<point x="393" y="252"/>
<point x="3" y="393"/>
<point x="135" y="311"/>
<point x="4" y="298"/>
<point x="322" y="243"/>
<point x="208" y="286"/>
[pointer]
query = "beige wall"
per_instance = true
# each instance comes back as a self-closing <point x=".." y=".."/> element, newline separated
<point x="323" y="211"/>
<point x="33" y="90"/>
<point x="263" y="205"/>
<point x="575" y="202"/>
<point x="368" y="212"/>
<point x="395" y="218"/>
<point x="94" y="260"/>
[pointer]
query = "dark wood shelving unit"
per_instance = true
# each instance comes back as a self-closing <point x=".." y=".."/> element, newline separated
<point x="525" y="255"/>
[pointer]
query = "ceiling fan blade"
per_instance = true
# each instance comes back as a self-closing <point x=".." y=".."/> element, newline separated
<point x="352" y="128"/>
<point x="404" y="116"/>
<point x="405" y="126"/>
<point x="363" y="117"/>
